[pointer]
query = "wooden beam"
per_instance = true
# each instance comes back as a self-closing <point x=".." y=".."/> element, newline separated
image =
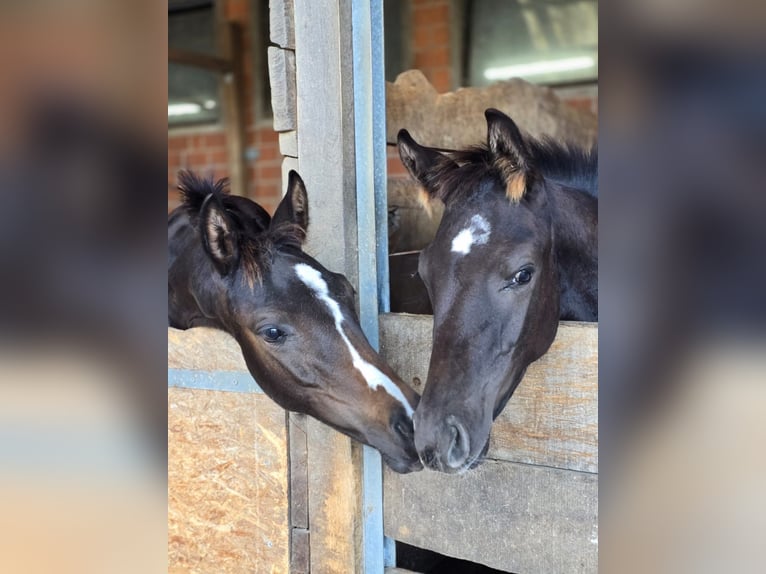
<point x="509" y="516"/>
<point x="552" y="418"/>
<point x="326" y="155"/>
<point x="230" y="46"/>
<point x="200" y="60"/>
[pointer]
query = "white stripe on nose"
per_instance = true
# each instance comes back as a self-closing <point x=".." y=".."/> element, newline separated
<point x="374" y="377"/>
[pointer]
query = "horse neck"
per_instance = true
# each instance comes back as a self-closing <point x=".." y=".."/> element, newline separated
<point x="575" y="228"/>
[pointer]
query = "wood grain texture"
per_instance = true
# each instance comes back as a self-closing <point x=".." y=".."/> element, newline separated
<point x="204" y="349"/>
<point x="552" y="418"/>
<point x="334" y="505"/>
<point x="513" y="517"/>
<point x="282" y="23"/>
<point x="299" y="472"/>
<point x="282" y="78"/>
<point x="300" y="551"/>
<point x="227" y="483"/>
<point x="288" y="143"/>
<point x="326" y="144"/>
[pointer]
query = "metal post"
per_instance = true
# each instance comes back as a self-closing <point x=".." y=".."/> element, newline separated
<point x="369" y="138"/>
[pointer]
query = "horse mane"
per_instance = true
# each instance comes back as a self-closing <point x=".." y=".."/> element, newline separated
<point x="564" y="163"/>
<point x="257" y="237"/>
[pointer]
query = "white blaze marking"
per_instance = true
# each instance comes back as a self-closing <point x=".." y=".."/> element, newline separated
<point x="477" y="233"/>
<point x="374" y="377"/>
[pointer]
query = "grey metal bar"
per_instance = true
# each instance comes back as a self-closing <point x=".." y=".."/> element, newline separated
<point x="367" y="230"/>
<point x="230" y="381"/>
<point x="379" y="152"/>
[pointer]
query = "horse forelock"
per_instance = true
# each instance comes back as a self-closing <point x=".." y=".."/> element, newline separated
<point x="195" y="189"/>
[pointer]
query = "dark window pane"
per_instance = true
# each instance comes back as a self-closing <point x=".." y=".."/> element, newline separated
<point x="542" y="41"/>
<point x="393" y="32"/>
<point x="193" y="94"/>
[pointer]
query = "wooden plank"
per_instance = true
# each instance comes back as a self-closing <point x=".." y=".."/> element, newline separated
<point x="326" y="145"/>
<point x="299" y="473"/>
<point x="227" y="483"/>
<point x="282" y="78"/>
<point x="282" y="23"/>
<point x="204" y="349"/>
<point x="288" y="143"/>
<point x="324" y="89"/>
<point x="231" y="47"/>
<point x="552" y="418"/>
<point x="513" y="517"/>
<point x="299" y="552"/>
<point x="334" y="502"/>
<point x="199" y="60"/>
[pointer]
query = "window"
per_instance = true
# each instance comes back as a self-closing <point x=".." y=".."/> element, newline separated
<point x="193" y="93"/>
<point x="543" y="41"/>
<point x="396" y="28"/>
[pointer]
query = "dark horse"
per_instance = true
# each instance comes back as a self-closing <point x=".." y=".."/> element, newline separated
<point x="235" y="268"/>
<point x="516" y="250"/>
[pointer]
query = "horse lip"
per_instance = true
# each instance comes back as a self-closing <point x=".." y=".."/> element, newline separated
<point x="403" y="467"/>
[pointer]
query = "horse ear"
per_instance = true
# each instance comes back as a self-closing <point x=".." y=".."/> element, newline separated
<point x="294" y="207"/>
<point x="422" y="162"/>
<point x="219" y="234"/>
<point x="511" y="153"/>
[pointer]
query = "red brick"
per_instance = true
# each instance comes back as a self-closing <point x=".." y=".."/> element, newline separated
<point x="196" y="159"/>
<point x="430" y="15"/>
<point x="433" y="58"/>
<point x="177" y="143"/>
<point x="395" y="167"/>
<point x="440" y="35"/>
<point x="237" y="10"/>
<point x="267" y="135"/>
<point x="269" y="152"/>
<point x="214" y="140"/>
<point x="440" y="79"/>
<point x="423" y="38"/>
<point x="219" y="156"/>
<point x="269" y="172"/>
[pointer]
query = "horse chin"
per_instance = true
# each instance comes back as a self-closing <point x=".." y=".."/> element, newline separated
<point x="403" y="466"/>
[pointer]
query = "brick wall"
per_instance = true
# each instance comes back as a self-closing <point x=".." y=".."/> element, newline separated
<point x="204" y="149"/>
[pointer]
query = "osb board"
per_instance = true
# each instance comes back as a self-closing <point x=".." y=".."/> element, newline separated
<point x="514" y="517"/>
<point x="204" y="349"/>
<point x="551" y="419"/>
<point x="227" y="483"/>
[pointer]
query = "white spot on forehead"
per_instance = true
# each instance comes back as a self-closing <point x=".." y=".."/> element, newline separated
<point x="374" y="377"/>
<point x="477" y="233"/>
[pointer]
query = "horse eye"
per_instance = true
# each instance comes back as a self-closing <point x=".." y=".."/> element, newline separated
<point x="522" y="277"/>
<point x="273" y="334"/>
<point x="403" y="429"/>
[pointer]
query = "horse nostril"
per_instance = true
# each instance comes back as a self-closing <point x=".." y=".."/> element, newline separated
<point x="459" y="445"/>
<point x="428" y="457"/>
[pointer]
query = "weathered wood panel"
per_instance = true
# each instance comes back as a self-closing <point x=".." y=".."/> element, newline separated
<point x="227" y="483"/>
<point x="204" y="349"/>
<point x="282" y="75"/>
<point x="325" y="106"/>
<point x="552" y="418"/>
<point x="334" y="491"/>
<point x="514" y="517"/>
<point x="299" y="472"/>
<point x="288" y="143"/>
<point x="282" y="23"/>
